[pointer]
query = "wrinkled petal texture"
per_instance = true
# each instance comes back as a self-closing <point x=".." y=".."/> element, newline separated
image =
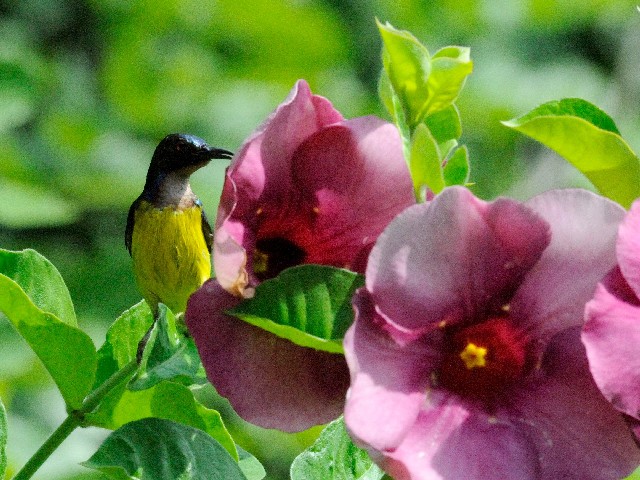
<point x="448" y="443"/>
<point x="611" y="333"/>
<point x="389" y="381"/>
<point x="628" y="248"/>
<point x="325" y="184"/>
<point x="584" y="228"/>
<point x="453" y="260"/>
<point x="574" y="429"/>
<point x="458" y="260"/>
<point x="268" y="380"/>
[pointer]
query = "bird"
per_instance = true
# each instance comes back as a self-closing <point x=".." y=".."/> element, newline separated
<point x="168" y="234"/>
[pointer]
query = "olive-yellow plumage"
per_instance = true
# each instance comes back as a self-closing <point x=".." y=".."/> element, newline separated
<point x="170" y="256"/>
<point x="168" y="235"/>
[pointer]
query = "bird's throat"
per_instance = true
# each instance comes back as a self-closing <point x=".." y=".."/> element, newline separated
<point x="174" y="191"/>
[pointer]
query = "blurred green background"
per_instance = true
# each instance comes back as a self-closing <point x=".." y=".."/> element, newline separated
<point x="88" y="88"/>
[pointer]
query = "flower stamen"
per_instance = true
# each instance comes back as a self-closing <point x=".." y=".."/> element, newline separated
<point x="484" y="359"/>
<point x="474" y="356"/>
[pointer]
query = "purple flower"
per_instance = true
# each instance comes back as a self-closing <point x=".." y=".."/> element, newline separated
<point x="306" y="187"/>
<point x="611" y="333"/>
<point x="465" y="355"/>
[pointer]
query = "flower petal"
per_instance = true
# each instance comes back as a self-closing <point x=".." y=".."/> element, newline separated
<point x="576" y="432"/>
<point x="582" y="250"/>
<point x="457" y="258"/>
<point x="628" y="247"/>
<point x="269" y="381"/>
<point x="611" y="336"/>
<point x="354" y="178"/>
<point x="448" y="442"/>
<point x="263" y="164"/>
<point x="388" y="381"/>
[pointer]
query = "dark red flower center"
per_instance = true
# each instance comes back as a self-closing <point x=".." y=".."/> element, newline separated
<point x="484" y="359"/>
<point x="272" y="255"/>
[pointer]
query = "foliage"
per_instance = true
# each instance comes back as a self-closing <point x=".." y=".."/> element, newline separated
<point x="138" y="449"/>
<point x="309" y="305"/>
<point x="89" y="87"/>
<point x="27" y="278"/>
<point x="334" y="457"/>
<point x="589" y="139"/>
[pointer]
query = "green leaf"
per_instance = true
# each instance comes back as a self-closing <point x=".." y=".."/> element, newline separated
<point x="445" y="124"/>
<point x="41" y="282"/>
<point x="572" y="107"/>
<point x="156" y="449"/>
<point x="634" y="476"/>
<point x="169" y="355"/>
<point x="587" y="138"/>
<point x="250" y="465"/>
<point x="407" y="62"/>
<point x="450" y="68"/>
<point x="333" y="456"/>
<point x="386" y="93"/>
<point x="32" y="294"/>
<point x="309" y="305"/>
<point x="456" y="170"/>
<point x="121" y="343"/>
<point x="392" y="103"/>
<point x="165" y="399"/>
<point x="3" y="440"/>
<point x="425" y="163"/>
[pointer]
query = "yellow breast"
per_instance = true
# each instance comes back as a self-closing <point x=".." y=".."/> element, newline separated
<point x="170" y="256"/>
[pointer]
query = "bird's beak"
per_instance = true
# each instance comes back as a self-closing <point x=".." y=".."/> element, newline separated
<point x="211" y="152"/>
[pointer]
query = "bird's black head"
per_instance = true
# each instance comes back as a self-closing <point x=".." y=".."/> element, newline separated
<point x="181" y="152"/>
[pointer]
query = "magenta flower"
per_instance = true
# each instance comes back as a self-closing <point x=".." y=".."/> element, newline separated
<point x="465" y="355"/>
<point x="611" y="333"/>
<point x="306" y="187"/>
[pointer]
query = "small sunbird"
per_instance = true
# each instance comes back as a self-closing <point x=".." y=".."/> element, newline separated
<point x="168" y="235"/>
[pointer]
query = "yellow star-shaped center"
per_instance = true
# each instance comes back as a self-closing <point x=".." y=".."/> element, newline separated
<point x="474" y="356"/>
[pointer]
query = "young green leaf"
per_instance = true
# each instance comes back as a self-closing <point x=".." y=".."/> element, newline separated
<point x="450" y="68"/>
<point x="121" y="344"/>
<point x="250" y="465"/>
<point x="67" y="352"/>
<point x="167" y="400"/>
<point x="587" y="138"/>
<point x="407" y="62"/>
<point x="156" y="449"/>
<point x="169" y="355"/>
<point x="386" y="93"/>
<point x="309" y="304"/>
<point x="162" y="399"/>
<point x="393" y="104"/>
<point x="334" y="457"/>
<point x="445" y="124"/>
<point x="3" y="440"/>
<point x="456" y="170"/>
<point x="425" y="163"/>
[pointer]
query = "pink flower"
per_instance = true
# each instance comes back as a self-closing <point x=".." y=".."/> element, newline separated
<point x="611" y="333"/>
<point x="465" y="355"/>
<point x="306" y="187"/>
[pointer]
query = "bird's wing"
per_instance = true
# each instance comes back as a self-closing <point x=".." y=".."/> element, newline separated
<point x="128" y="233"/>
<point x="206" y="228"/>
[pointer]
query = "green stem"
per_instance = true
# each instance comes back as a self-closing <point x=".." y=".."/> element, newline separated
<point x="53" y="442"/>
<point x="92" y="400"/>
<point x="73" y="421"/>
